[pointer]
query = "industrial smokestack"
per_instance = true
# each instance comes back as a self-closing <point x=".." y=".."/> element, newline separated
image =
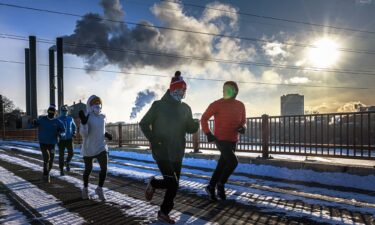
<point x="52" y="86"/>
<point x="33" y="69"/>
<point x="27" y="81"/>
<point x="60" y="72"/>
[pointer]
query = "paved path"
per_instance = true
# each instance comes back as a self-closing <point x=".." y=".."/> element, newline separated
<point x="126" y="204"/>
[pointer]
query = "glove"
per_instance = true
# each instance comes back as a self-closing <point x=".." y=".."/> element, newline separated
<point x="108" y="136"/>
<point x="241" y="129"/>
<point x="210" y="137"/>
<point x="62" y="135"/>
<point x="83" y="118"/>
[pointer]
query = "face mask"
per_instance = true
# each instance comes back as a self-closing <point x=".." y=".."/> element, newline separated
<point x="50" y="115"/>
<point x="64" y="113"/>
<point x="228" y="92"/>
<point x="97" y="109"/>
<point x="178" y="94"/>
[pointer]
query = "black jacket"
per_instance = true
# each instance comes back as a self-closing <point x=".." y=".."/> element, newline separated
<point x="165" y="126"/>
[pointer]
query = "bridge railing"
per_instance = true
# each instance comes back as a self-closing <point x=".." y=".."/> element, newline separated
<point x="342" y="135"/>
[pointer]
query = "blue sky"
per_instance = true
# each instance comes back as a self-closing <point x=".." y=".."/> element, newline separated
<point x="120" y="91"/>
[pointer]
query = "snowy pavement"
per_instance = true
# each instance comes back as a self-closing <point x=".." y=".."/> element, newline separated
<point x="45" y="204"/>
<point x="9" y="214"/>
<point x="294" y="193"/>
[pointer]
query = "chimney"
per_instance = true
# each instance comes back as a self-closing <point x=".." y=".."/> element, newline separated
<point x="27" y="81"/>
<point x="60" y="72"/>
<point x="52" y="87"/>
<point x="33" y="69"/>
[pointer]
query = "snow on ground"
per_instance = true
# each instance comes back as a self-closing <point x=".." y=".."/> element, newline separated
<point x="239" y="193"/>
<point x="8" y="213"/>
<point x="135" y="207"/>
<point x="342" y="161"/>
<point x="47" y="205"/>
<point x="338" y="179"/>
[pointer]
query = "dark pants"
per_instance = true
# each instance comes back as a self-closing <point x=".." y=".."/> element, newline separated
<point x="103" y="161"/>
<point x="68" y="144"/>
<point x="48" y="153"/>
<point x="227" y="163"/>
<point x="171" y="176"/>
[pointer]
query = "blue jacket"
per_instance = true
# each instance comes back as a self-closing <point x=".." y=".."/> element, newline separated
<point x="48" y="130"/>
<point x="69" y="125"/>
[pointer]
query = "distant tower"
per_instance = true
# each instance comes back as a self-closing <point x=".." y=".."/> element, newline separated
<point x="292" y="104"/>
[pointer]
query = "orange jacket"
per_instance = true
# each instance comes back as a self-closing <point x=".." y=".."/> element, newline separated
<point x="229" y="115"/>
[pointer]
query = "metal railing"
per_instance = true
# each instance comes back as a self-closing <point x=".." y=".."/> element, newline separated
<point x="345" y="135"/>
<point x="349" y="135"/>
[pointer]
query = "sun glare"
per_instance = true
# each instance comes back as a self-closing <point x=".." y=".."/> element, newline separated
<point x="325" y="53"/>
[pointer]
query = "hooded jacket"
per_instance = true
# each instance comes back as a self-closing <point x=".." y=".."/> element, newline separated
<point x="49" y="130"/>
<point x="167" y="122"/>
<point x="69" y="125"/>
<point x="93" y="133"/>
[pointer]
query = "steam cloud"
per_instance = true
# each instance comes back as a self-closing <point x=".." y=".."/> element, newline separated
<point x="118" y="44"/>
<point x="143" y="98"/>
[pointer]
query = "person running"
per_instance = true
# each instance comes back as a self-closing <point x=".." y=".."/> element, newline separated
<point x="67" y="140"/>
<point x="93" y="133"/>
<point x="165" y="126"/>
<point x="229" y="120"/>
<point x="49" y="128"/>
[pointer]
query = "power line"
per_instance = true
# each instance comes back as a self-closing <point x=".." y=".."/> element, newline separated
<point x="358" y="51"/>
<point x="224" y="61"/>
<point x="258" y="22"/>
<point x="195" y="78"/>
<point x="272" y="18"/>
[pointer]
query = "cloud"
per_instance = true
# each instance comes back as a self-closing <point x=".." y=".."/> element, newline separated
<point x="275" y="49"/>
<point x="270" y="76"/>
<point x="139" y="46"/>
<point x="363" y="2"/>
<point x="298" y="80"/>
<point x="352" y="106"/>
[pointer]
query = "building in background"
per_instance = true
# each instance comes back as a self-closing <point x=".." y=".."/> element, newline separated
<point x="75" y="108"/>
<point x="366" y="109"/>
<point x="292" y="104"/>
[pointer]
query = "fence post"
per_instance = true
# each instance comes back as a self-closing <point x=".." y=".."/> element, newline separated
<point x="119" y="135"/>
<point x="196" y="142"/>
<point x="2" y="110"/>
<point x="265" y="136"/>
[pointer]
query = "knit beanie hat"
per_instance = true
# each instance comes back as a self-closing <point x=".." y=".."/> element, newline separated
<point x="177" y="82"/>
<point x="95" y="101"/>
<point x="51" y="108"/>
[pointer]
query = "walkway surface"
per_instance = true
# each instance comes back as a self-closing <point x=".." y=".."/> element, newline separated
<point x="25" y="197"/>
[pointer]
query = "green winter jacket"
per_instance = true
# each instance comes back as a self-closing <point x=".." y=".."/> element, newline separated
<point x="165" y="126"/>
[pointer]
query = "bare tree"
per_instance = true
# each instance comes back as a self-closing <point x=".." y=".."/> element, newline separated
<point x="8" y="105"/>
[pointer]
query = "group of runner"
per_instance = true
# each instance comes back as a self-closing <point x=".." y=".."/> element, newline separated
<point x="165" y="126"/>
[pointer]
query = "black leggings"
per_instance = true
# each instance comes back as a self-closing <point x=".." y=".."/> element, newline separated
<point x="102" y="160"/>
<point x="171" y="176"/>
<point x="68" y="144"/>
<point x="48" y="153"/>
<point x="227" y="163"/>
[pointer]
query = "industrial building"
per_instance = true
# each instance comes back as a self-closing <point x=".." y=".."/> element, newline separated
<point x="292" y="104"/>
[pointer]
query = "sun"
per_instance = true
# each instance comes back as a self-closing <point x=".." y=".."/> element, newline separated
<point x="324" y="54"/>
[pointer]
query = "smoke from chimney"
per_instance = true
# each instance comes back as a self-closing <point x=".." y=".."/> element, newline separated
<point x="111" y="36"/>
<point x="143" y="98"/>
